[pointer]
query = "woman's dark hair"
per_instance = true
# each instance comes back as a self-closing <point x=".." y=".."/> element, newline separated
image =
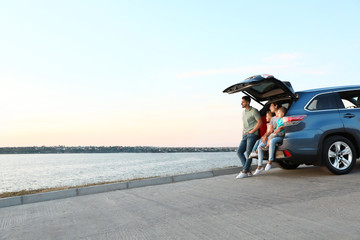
<point x="276" y="104"/>
<point x="246" y="98"/>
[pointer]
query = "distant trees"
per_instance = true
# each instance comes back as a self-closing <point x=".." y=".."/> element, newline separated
<point x="110" y="149"/>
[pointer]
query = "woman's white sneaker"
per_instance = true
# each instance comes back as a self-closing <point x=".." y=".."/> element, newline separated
<point x="253" y="155"/>
<point x="268" y="167"/>
<point x="258" y="171"/>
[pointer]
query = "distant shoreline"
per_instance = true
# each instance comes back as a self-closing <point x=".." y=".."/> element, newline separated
<point x="109" y="149"/>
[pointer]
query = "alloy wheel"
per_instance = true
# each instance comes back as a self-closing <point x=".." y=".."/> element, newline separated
<point x="340" y="155"/>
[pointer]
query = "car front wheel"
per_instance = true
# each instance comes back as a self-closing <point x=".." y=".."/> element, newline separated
<point x="339" y="155"/>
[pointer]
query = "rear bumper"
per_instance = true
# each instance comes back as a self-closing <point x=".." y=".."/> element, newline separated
<point x="301" y="147"/>
<point x="296" y="159"/>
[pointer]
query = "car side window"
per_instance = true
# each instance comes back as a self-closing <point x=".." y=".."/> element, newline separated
<point x="322" y="102"/>
<point x="350" y="99"/>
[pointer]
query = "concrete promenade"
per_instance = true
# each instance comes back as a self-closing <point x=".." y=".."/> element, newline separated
<point x="306" y="203"/>
<point x="80" y="191"/>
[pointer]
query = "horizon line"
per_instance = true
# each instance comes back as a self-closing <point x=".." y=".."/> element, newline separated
<point x="64" y="146"/>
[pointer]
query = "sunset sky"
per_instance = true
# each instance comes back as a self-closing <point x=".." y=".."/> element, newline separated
<point x="152" y="73"/>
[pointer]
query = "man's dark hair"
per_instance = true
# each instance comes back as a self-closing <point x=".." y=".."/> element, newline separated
<point x="247" y="98"/>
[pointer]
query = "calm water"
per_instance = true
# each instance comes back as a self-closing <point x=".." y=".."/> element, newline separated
<point x="33" y="171"/>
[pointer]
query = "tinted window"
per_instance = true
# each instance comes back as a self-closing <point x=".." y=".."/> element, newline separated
<point x="350" y="99"/>
<point x="322" y="102"/>
<point x="286" y="105"/>
<point x="265" y="87"/>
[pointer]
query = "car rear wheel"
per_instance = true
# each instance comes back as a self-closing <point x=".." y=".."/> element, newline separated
<point x="339" y="155"/>
<point x="286" y="165"/>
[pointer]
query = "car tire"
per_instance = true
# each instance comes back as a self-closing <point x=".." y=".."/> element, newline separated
<point x="285" y="165"/>
<point x="338" y="155"/>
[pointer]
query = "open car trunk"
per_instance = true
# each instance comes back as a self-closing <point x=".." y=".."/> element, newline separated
<point x="263" y="88"/>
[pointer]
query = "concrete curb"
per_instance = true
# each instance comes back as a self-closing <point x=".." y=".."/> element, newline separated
<point x="102" y="188"/>
<point x="11" y="201"/>
<point x="149" y="182"/>
<point x="191" y="176"/>
<point x="39" y="197"/>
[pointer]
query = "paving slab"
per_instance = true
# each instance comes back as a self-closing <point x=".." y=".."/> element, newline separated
<point x="226" y="171"/>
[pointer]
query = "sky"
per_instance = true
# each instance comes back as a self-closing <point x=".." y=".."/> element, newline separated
<point x="151" y="73"/>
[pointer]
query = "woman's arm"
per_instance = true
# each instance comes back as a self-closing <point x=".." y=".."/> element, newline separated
<point x="279" y="129"/>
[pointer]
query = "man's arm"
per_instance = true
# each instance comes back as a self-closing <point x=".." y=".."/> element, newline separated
<point x="257" y="126"/>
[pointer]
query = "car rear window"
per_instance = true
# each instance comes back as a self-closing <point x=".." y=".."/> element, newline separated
<point x="265" y="87"/>
<point x="322" y="102"/>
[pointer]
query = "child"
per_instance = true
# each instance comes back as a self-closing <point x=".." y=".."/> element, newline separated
<point x="279" y="131"/>
<point x="276" y="137"/>
<point x="269" y="129"/>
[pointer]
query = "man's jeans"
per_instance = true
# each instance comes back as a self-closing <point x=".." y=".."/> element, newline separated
<point x="244" y="150"/>
<point x="272" y="147"/>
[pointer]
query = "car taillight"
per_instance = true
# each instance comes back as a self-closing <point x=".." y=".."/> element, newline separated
<point x="287" y="154"/>
<point x="293" y="120"/>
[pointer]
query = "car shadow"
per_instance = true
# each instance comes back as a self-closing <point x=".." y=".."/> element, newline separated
<point x="308" y="171"/>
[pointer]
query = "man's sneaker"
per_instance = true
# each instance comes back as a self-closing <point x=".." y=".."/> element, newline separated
<point x="253" y="155"/>
<point x="268" y="167"/>
<point x="242" y="175"/>
<point x="258" y="171"/>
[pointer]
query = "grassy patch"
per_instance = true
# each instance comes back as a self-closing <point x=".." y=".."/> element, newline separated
<point x="212" y="169"/>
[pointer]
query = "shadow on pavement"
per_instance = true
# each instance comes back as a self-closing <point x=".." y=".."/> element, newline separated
<point x="308" y="171"/>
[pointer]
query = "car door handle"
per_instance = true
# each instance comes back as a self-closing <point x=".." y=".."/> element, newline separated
<point x="349" y="115"/>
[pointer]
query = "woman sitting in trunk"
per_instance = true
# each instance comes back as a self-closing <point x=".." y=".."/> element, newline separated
<point x="276" y="137"/>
